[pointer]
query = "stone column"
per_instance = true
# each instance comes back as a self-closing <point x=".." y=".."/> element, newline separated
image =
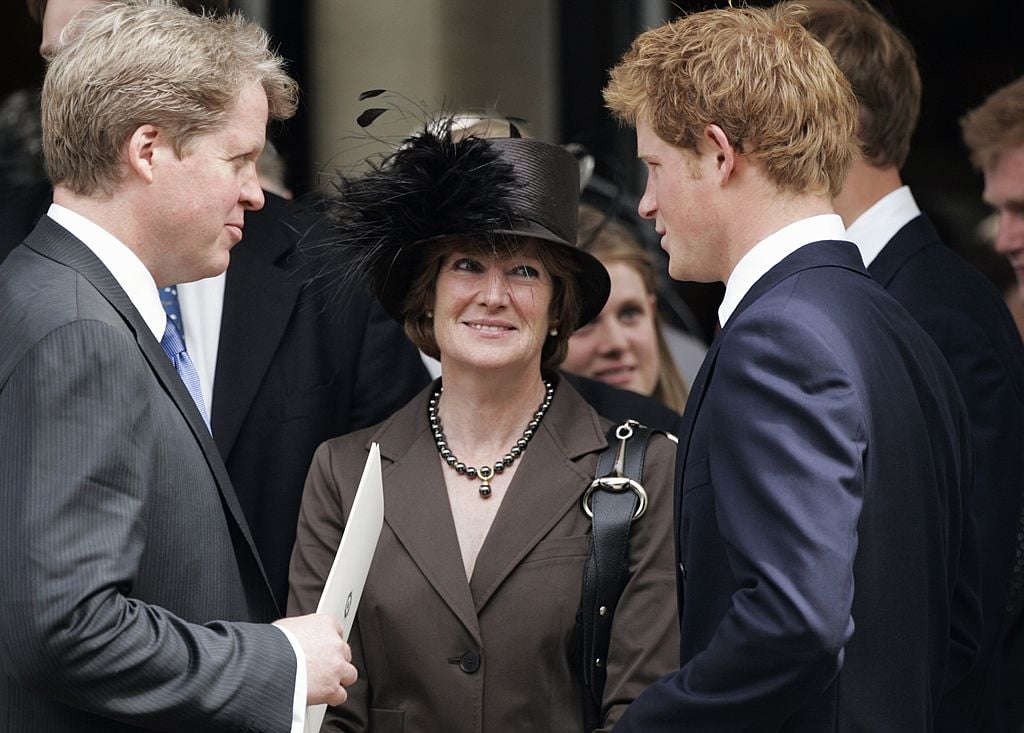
<point x="450" y="54"/>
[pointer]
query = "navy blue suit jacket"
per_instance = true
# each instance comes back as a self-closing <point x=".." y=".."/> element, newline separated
<point x="969" y="321"/>
<point x="822" y="458"/>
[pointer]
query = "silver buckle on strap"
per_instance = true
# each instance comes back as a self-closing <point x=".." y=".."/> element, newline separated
<point x="618" y="482"/>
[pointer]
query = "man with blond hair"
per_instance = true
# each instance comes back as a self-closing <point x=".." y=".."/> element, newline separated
<point x="282" y="366"/>
<point x="131" y="594"/>
<point x="994" y="134"/>
<point x="964" y="315"/>
<point x="823" y="455"/>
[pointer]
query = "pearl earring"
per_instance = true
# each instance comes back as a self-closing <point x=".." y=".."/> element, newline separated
<point x="553" y="331"/>
<point x="430" y="314"/>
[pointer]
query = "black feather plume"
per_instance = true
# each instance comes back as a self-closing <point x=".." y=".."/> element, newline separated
<point x="368" y="116"/>
<point x="431" y="186"/>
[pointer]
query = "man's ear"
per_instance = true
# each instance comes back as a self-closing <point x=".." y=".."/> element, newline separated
<point x="142" y="150"/>
<point x="723" y="150"/>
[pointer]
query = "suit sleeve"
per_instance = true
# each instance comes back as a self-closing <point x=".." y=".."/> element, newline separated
<point x="75" y="473"/>
<point x="786" y="472"/>
<point x="990" y="512"/>
<point x="645" y="629"/>
<point x="389" y="371"/>
<point x="320" y="527"/>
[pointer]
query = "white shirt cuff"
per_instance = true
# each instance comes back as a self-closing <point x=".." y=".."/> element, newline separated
<point x="299" y="699"/>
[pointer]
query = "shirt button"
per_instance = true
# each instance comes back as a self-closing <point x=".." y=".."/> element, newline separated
<point x="470" y="662"/>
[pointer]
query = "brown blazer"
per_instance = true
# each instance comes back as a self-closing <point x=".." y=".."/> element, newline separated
<point x="438" y="653"/>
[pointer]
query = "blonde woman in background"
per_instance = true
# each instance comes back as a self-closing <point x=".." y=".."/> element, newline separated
<point x="625" y="346"/>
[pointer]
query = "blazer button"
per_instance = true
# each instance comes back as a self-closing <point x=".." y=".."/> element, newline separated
<point x="682" y="571"/>
<point x="470" y="662"/>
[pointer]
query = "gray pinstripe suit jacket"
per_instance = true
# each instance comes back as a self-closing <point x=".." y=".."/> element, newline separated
<point x="131" y="595"/>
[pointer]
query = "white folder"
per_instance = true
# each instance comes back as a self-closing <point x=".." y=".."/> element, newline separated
<point x="345" y="582"/>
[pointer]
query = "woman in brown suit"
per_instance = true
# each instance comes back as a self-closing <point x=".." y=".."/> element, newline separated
<point x="467" y="620"/>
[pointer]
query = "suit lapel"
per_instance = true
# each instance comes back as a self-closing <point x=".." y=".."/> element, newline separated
<point x="259" y="296"/>
<point x="914" y="236"/>
<point x="826" y="253"/>
<point x="547" y="485"/>
<point x="417" y="508"/>
<point x="693" y="404"/>
<point x="686" y="423"/>
<point x="53" y="241"/>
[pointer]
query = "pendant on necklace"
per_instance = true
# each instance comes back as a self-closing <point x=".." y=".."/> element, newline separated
<point x="485" y="473"/>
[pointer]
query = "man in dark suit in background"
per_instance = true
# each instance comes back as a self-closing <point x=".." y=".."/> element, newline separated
<point x="824" y="453"/>
<point x="994" y="134"/>
<point x="283" y="366"/>
<point x="960" y="310"/>
<point x="131" y="593"/>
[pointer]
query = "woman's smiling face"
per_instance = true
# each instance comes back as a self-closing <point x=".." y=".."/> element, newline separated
<point x="492" y="310"/>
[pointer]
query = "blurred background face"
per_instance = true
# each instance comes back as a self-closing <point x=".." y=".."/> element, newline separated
<point x="1004" y="191"/>
<point x="620" y="346"/>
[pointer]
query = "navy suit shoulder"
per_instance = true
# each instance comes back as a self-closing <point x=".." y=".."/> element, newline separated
<point x="929" y="279"/>
<point x="971" y="325"/>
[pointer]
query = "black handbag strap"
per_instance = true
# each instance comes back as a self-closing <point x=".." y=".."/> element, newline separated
<point x="614" y="500"/>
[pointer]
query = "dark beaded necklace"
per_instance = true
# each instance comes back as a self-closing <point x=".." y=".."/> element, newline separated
<point x="485" y="473"/>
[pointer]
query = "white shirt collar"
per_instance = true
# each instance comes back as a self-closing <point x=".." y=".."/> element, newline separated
<point x="123" y="264"/>
<point x="770" y="251"/>
<point x="873" y="229"/>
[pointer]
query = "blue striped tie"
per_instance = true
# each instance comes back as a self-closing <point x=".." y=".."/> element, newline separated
<point x="169" y="300"/>
<point x="174" y="346"/>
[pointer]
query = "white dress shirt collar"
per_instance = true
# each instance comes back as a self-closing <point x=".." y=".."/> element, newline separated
<point x="770" y="251"/>
<point x="873" y="229"/>
<point x="123" y="264"/>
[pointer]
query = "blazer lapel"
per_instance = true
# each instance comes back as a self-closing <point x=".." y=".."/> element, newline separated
<point x="914" y="236"/>
<point x="417" y="507"/>
<point x="826" y="253"/>
<point x="59" y="245"/>
<point x="260" y="293"/>
<point x="548" y="483"/>
<point x="53" y="241"/>
<point x="693" y="405"/>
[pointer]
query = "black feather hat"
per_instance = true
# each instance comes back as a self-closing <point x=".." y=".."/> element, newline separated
<point x="440" y="183"/>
